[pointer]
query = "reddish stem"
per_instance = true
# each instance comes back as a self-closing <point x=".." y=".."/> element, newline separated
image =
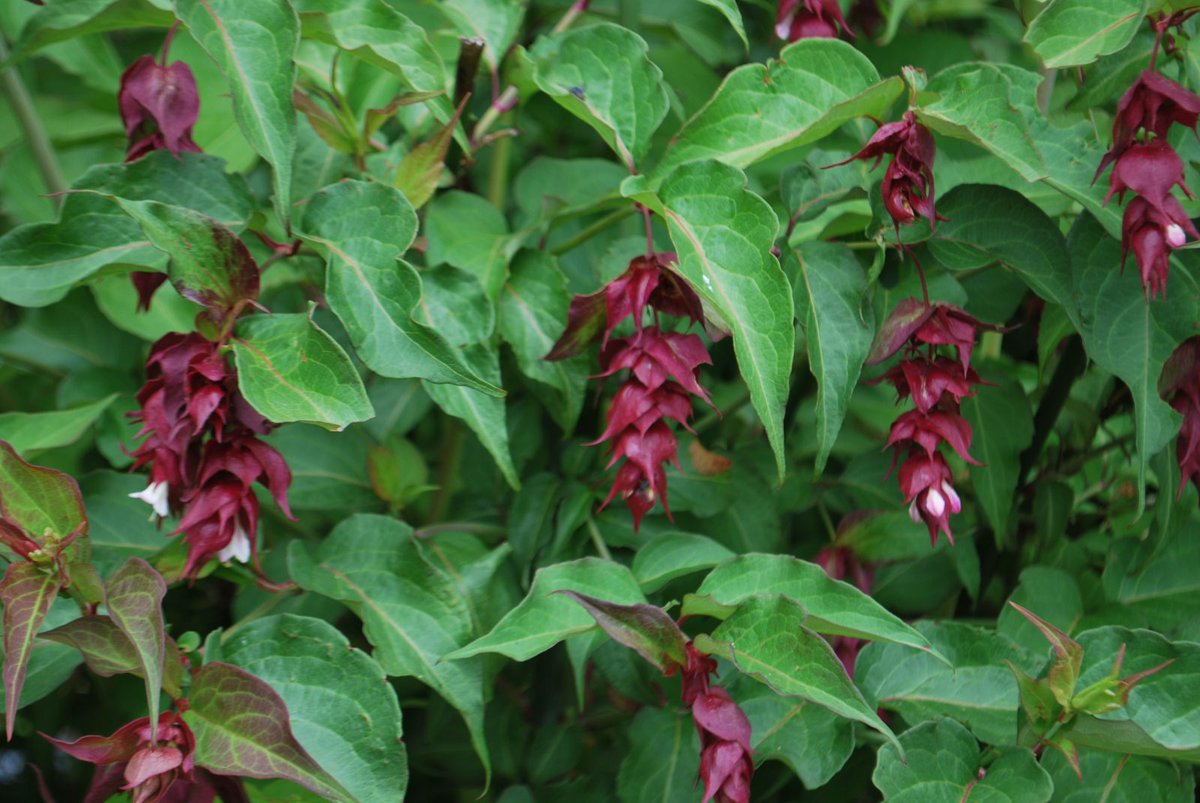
<point x="167" y="43"/>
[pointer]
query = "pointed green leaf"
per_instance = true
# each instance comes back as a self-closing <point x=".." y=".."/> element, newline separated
<point x="344" y="713"/>
<point x="409" y="612"/>
<point x="27" y="592"/>
<point x="663" y="759"/>
<point x="729" y="11"/>
<point x="420" y="170"/>
<point x="603" y="75"/>
<point x="50" y="664"/>
<point x="723" y="234"/>
<point x="242" y="728"/>
<point x="645" y="629"/>
<point x="673" y="555"/>
<point x="1002" y="427"/>
<point x="365" y="229"/>
<point x="134" y="598"/>
<point x="45" y="503"/>
<point x="32" y="431"/>
<point x="1071" y="33"/>
<point x="839" y="327"/>
<point x="496" y="22"/>
<point x="760" y="110"/>
<point x="944" y="765"/>
<point x="483" y="248"/>
<point x="108" y="651"/>
<point x="812" y="741"/>
<point x="254" y="44"/>
<point x="289" y="369"/>
<point x="544" y="618"/>
<point x="1117" y="778"/>
<point x="766" y="638"/>
<point x="57" y="22"/>
<point x="833" y="607"/>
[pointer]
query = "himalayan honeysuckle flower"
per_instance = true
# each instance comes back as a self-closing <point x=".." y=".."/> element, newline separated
<point x="1180" y="385"/>
<point x="726" y="762"/>
<point x="809" y="19"/>
<point x="159" y="104"/>
<point x="662" y="366"/>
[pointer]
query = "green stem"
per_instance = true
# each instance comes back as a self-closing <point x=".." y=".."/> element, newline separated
<point x="31" y="125"/>
<point x="498" y="178"/>
<point x="447" y="470"/>
<point x="592" y="230"/>
<point x="601" y="547"/>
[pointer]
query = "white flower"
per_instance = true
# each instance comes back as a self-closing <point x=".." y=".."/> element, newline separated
<point x="952" y="495"/>
<point x="238" y="547"/>
<point x="155" y="495"/>
<point x="1175" y="235"/>
<point x="935" y="503"/>
<point x="913" y="513"/>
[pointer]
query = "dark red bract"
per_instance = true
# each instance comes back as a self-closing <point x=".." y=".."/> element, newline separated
<point x="1181" y="377"/>
<point x="159" y="104"/>
<point x="809" y="19"/>
<point x="726" y="762"/>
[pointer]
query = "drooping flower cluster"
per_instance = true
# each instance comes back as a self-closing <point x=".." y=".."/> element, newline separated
<point x="726" y="764"/>
<point x="1144" y="162"/>
<point x="202" y="446"/>
<point x="161" y="771"/>
<point x="810" y="19"/>
<point x="662" y="373"/>
<point x="1181" y="387"/>
<point x="841" y="563"/>
<point x="907" y="189"/>
<point x="159" y="104"/>
<point x="937" y="385"/>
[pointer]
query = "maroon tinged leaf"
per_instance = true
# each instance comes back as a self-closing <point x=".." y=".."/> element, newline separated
<point x="1068" y="656"/>
<point x="645" y="629"/>
<point x="39" y="507"/>
<point x="108" y="651"/>
<point x="27" y="592"/>
<point x="242" y="728"/>
<point x="134" y="600"/>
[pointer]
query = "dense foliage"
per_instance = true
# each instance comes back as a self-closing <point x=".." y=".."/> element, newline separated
<point x="536" y="400"/>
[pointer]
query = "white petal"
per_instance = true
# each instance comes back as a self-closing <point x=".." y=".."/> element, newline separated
<point x="238" y="547"/>
<point x="952" y="495"/>
<point x="155" y="495"/>
<point x="1175" y="235"/>
<point x="935" y="503"/>
<point x="913" y="513"/>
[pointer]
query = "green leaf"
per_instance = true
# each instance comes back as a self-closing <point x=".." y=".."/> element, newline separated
<point x="466" y="231"/>
<point x="977" y="688"/>
<point x="329" y="469"/>
<point x="833" y="607"/>
<point x="1050" y="593"/>
<point x="453" y="303"/>
<point x="1115" y="778"/>
<point x="209" y="264"/>
<point x="1002" y="427"/>
<point x="663" y="759"/>
<point x="420" y="171"/>
<point x="409" y="612"/>
<point x="989" y="224"/>
<point x="344" y="713"/>
<point x="723" y="234"/>
<point x="809" y="91"/>
<point x="1128" y="336"/>
<point x="380" y="35"/>
<point x="496" y="22"/>
<point x="603" y="75"/>
<point x="812" y="741"/>
<point x="61" y="21"/>
<point x="133" y="597"/>
<point x="1071" y="33"/>
<point x="119" y="527"/>
<point x="242" y="728"/>
<point x="27" y="432"/>
<point x="50" y="664"/>
<point x="366" y="228"/>
<point x="729" y="11"/>
<point x="43" y="502"/>
<point x="645" y="629"/>
<point x="108" y="651"/>
<point x="532" y="313"/>
<point x="839" y="327"/>
<point x="544" y="618"/>
<point x="944" y="766"/>
<point x="990" y="105"/>
<point x="673" y="555"/>
<point x="289" y="369"/>
<point x="27" y="592"/>
<point x="766" y="638"/>
<point x="483" y="413"/>
<point x="254" y="43"/>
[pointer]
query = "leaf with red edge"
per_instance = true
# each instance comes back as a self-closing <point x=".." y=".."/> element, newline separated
<point x="27" y="593"/>
<point x="645" y="629"/>
<point x="209" y="264"/>
<point x="41" y="501"/>
<point x="242" y="728"/>
<point x="134" y="600"/>
<point x="908" y="316"/>
<point x="585" y="321"/>
<point x="1068" y="656"/>
<point x="108" y="651"/>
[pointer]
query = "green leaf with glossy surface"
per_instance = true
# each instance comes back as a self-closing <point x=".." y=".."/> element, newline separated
<point x="723" y="234"/>
<point x="766" y="638"/>
<point x="254" y="43"/>
<point x="603" y="75"/>
<point x="839" y="328"/>
<point x="242" y="728"/>
<point x="673" y="555"/>
<point x="344" y="713"/>
<point x="365" y="228"/>
<point x="289" y="369"/>
<point x="544" y="618"/>
<point x="944" y="765"/>
<point x="32" y="431"/>
<point x="27" y="592"/>
<point x="814" y="87"/>
<point x="1071" y="33"/>
<point x="833" y="607"/>
<point x="1001" y="427"/>
<point x="409" y="612"/>
<point x="133" y="598"/>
